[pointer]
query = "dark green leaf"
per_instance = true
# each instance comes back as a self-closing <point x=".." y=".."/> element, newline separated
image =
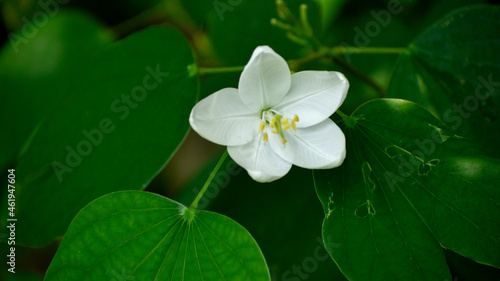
<point x="135" y="235"/>
<point x="118" y="123"/>
<point x="467" y="270"/>
<point x="453" y="70"/>
<point x="36" y="68"/>
<point x="407" y="186"/>
<point x="284" y="217"/>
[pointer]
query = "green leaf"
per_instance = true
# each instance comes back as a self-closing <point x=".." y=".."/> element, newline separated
<point x="468" y="270"/>
<point x="286" y="224"/>
<point x="122" y="118"/>
<point x="452" y="70"/>
<point x="407" y="186"/>
<point x="138" y="236"/>
<point x="33" y="82"/>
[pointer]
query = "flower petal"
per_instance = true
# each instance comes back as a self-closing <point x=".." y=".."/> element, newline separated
<point x="222" y="118"/>
<point x="264" y="80"/>
<point x="259" y="159"/>
<point x="314" y="96"/>
<point x="321" y="146"/>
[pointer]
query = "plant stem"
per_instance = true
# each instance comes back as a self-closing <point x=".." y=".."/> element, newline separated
<point x="295" y="64"/>
<point x="361" y="76"/>
<point x="334" y="52"/>
<point x="212" y="70"/>
<point x="166" y="11"/>
<point x="338" y="50"/>
<point x="305" y="21"/>
<point x="194" y="205"/>
<point x="343" y="115"/>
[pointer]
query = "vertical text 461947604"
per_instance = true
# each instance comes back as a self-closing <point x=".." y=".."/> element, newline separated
<point x="11" y="220"/>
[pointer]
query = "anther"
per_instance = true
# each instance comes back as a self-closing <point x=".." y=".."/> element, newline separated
<point x="275" y="131"/>
<point x="266" y="137"/>
<point x="286" y="127"/>
<point x="262" y="126"/>
<point x="283" y="140"/>
<point x="294" y="121"/>
<point x="284" y="121"/>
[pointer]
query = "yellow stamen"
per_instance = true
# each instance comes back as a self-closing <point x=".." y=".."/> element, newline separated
<point x="272" y="125"/>
<point x="283" y="140"/>
<point x="294" y="127"/>
<point x="275" y="131"/>
<point x="266" y="137"/>
<point x="286" y="127"/>
<point x="296" y="118"/>
<point x="262" y="126"/>
<point x="273" y="120"/>
<point x="284" y="121"/>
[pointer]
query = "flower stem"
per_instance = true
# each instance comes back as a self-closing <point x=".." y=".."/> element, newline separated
<point x="343" y="115"/>
<point x="338" y="50"/>
<point x="295" y="64"/>
<point x="212" y="70"/>
<point x="365" y="78"/>
<point x="194" y="205"/>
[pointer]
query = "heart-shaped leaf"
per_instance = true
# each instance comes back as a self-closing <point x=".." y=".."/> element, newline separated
<point x="453" y="70"/>
<point x="407" y="187"/>
<point x="36" y="67"/>
<point x="290" y="254"/>
<point x="135" y="235"/>
<point x="122" y="118"/>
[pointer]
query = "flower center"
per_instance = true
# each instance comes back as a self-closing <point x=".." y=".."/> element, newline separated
<point x="277" y="123"/>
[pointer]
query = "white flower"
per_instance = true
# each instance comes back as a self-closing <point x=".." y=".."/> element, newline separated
<point x="275" y="119"/>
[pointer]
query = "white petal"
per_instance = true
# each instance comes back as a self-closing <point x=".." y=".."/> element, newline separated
<point x="321" y="146"/>
<point x="222" y="118"/>
<point x="314" y="96"/>
<point x="264" y="80"/>
<point x="259" y="159"/>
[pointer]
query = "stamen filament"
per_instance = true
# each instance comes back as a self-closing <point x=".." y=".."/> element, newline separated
<point x="278" y="123"/>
